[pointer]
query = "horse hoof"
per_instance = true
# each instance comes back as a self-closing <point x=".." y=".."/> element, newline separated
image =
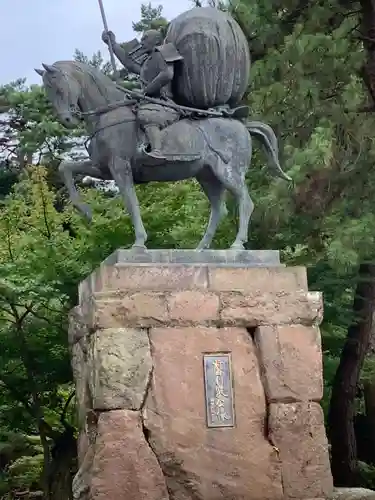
<point x="86" y="213"/>
<point x="139" y="247"/>
<point x="88" y="217"/>
<point x="237" y="246"/>
<point x="200" y="247"/>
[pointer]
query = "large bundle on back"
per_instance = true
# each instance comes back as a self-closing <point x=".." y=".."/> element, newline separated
<point x="216" y="60"/>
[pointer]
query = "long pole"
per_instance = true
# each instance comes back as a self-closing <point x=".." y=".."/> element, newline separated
<point x="110" y="48"/>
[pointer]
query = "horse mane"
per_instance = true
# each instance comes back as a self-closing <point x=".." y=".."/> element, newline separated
<point x="86" y="73"/>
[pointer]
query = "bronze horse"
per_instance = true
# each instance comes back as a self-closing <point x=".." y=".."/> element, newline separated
<point x="216" y="151"/>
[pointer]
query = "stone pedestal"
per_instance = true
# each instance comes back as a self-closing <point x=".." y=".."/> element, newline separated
<point x="199" y="376"/>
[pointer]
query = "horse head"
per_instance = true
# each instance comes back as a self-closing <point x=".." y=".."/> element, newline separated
<point x="63" y="91"/>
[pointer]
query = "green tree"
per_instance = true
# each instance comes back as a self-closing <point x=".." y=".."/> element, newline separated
<point x="34" y="300"/>
<point x="97" y="60"/>
<point x="41" y="264"/>
<point x="151" y="18"/>
<point x="306" y="81"/>
<point x="30" y="133"/>
<point x="21" y="459"/>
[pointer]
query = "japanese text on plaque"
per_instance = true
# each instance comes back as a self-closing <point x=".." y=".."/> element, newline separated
<point x="218" y="386"/>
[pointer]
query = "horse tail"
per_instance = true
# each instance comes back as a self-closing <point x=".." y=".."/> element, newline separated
<point x="267" y="136"/>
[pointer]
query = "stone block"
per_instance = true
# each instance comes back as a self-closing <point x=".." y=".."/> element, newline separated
<point x="144" y="277"/>
<point x="124" y="466"/>
<point x="144" y="322"/>
<point x="160" y="277"/>
<point x="197" y="461"/>
<point x="253" y="309"/>
<point x="193" y="306"/>
<point x="200" y="307"/>
<point x="291" y="359"/>
<point x="81" y="375"/>
<point x="352" y="494"/>
<point x="119" y="364"/>
<point x="78" y="326"/>
<point x="257" y="280"/>
<point x="297" y="431"/>
<point x="168" y="269"/>
<point x="140" y="309"/>
<point x="82" y="446"/>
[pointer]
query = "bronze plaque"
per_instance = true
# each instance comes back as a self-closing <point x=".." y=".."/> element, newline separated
<point x="218" y="390"/>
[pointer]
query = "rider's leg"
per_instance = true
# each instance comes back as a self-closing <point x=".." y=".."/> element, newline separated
<point x="153" y="135"/>
<point x="153" y="118"/>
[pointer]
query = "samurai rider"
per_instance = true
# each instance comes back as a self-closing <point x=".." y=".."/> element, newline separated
<point x="155" y="63"/>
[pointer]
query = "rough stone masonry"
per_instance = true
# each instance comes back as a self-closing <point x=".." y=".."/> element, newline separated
<point x="138" y="337"/>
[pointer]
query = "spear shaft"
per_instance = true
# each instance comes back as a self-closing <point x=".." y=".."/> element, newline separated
<point x="110" y="48"/>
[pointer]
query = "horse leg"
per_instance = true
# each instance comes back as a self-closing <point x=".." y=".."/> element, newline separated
<point x="234" y="180"/>
<point x="122" y="175"/>
<point x="246" y="207"/>
<point x="214" y="190"/>
<point x="68" y="169"/>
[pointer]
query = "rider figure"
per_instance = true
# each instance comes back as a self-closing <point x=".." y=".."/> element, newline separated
<point x="155" y="63"/>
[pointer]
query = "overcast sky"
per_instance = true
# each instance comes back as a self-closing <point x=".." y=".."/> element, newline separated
<point x="36" y="31"/>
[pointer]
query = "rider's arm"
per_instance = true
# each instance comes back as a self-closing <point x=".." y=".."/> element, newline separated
<point x="164" y="77"/>
<point x="124" y="58"/>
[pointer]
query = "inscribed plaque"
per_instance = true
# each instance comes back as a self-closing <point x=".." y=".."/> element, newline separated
<point x="218" y="390"/>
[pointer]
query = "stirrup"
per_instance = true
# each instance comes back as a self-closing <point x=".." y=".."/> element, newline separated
<point x="142" y="148"/>
<point x="155" y="153"/>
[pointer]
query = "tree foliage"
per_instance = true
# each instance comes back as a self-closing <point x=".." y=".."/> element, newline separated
<point x="307" y="82"/>
<point x="151" y="18"/>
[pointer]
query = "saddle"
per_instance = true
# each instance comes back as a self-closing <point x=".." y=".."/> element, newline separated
<point x="182" y="147"/>
<point x="180" y="142"/>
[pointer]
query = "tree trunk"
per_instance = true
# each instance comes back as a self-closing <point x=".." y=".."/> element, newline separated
<point x="341" y="413"/>
<point x="63" y="467"/>
<point x="46" y="459"/>
<point x="60" y="459"/>
<point x="369" y="394"/>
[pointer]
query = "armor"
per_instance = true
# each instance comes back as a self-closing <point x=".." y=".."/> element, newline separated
<point x="203" y="63"/>
<point x="169" y="52"/>
<point x="154" y="62"/>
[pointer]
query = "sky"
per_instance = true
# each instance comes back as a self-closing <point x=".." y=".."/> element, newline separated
<point x="36" y="31"/>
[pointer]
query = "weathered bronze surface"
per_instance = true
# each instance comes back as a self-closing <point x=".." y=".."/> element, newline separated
<point x="218" y="390"/>
<point x="168" y="131"/>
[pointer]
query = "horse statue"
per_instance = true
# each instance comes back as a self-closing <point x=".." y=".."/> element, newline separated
<point x="215" y="150"/>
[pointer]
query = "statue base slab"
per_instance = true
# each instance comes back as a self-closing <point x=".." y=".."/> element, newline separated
<point x="199" y="376"/>
<point x="240" y="258"/>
